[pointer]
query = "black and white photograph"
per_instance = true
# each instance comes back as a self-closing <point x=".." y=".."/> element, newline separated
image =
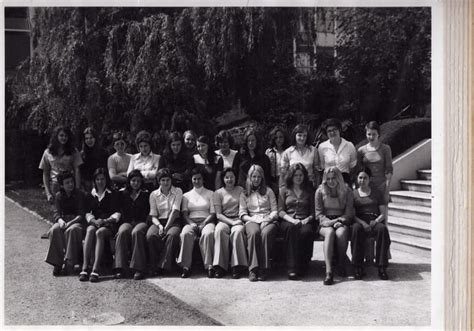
<point x="219" y="166"/>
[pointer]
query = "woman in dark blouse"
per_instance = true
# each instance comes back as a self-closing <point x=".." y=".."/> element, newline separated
<point x="370" y="216"/>
<point x="178" y="161"/>
<point x="295" y="208"/>
<point x="65" y="236"/>
<point x="252" y="154"/>
<point x="209" y="164"/>
<point x="93" y="155"/>
<point x="102" y="218"/>
<point x="132" y="231"/>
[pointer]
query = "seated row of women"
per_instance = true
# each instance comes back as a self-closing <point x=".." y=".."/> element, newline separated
<point x="183" y="153"/>
<point x="236" y="226"/>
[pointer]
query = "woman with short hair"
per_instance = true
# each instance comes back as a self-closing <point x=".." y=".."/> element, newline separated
<point x="146" y="161"/>
<point x="258" y="210"/>
<point x="334" y="210"/>
<point x="118" y="162"/>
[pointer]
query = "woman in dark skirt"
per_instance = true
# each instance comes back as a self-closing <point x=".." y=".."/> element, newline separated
<point x="103" y="216"/>
<point x="131" y="242"/>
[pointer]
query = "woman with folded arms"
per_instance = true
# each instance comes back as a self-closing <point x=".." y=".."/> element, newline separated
<point x="199" y="216"/>
<point x="370" y="215"/>
<point x="177" y="161"/>
<point x="130" y="244"/>
<point x="209" y="164"/>
<point x="337" y="151"/>
<point x="103" y="216"/>
<point x="163" y="235"/>
<point x="146" y="161"/>
<point x="118" y="162"/>
<point x="65" y="236"/>
<point x="258" y="210"/>
<point x="378" y="158"/>
<point x="230" y="231"/>
<point x="300" y="151"/>
<point x="296" y="208"/>
<point x="334" y="210"/>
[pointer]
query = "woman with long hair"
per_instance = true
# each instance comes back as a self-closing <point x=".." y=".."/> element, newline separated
<point x="300" y="151"/>
<point x="229" y="235"/>
<point x="93" y="155"/>
<point x="145" y="160"/>
<point x="130" y="244"/>
<point x="189" y="137"/>
<point x="378" y="158"/>
<point x="337" y="151"/>
<point x="61" y="155"/>
<point x="334" y="210"/>
<point x="118" y="162"/>
<point x="163" y="235"/>
<point x="278" y="144"/>
<point x="258" y="210"/>
<point x="65" y="236"/>
<point x="252" y="153"/>
<point x="296" y="211"/>
<point x="209" y="164"/>
<point x="370" y="217"/>
<point x="177" y="161"/>
<point x="199" y="216"/>
<point x="102" y="218"/>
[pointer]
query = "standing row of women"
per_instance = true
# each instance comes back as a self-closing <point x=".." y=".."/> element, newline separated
<point x="259" y="216"/>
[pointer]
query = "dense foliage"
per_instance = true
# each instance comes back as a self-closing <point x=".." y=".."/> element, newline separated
<point x="161" y="68"/>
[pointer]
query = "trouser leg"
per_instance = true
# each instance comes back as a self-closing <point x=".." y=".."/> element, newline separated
<point x="89" y="246"/>
<point x="139" y="260"/>
<point x="358" y="238"/>
<point x="238" y="241"/>
<point x="268" y="239"/>
<point x="206" y="244"/>
<point x="290" y="236"/>
<point x="382" y="244"/>
<point x="57" y="246"/>
<point x="305" y="240"/>
<point x="122" y="246"/>
<point x="154" y="246"/>
<point x="103" y="236"/>
<point x="74" y="244"/>
<point x="221" y="245"/>
<point x="170" y="252"/>
<point x="254" y="243"/>
<point x="188" y="235"/>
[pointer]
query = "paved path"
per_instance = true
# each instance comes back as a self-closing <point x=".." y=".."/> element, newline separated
<point x="404" y="300"/>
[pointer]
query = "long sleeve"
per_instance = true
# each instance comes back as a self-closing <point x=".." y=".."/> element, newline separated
<point x="243" y="209"/>
<point x="388" y="159"/>
<point x="57" y="212"/>
<point x="273" y="204"/>
<point x="319" y="212"/>
<point x="349" y="208"/>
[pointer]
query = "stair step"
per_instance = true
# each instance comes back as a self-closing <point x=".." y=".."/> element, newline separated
<point x="409" y="227"/>
<point x="420" y="213"/>
<point x="411" y="198"/>
<point x="421" y="252"/>
<point x="416" y="185"/>
<point x="419" y="243"/>
<point x="424" y="174"/>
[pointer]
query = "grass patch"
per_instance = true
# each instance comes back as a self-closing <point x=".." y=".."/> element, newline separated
<point x="32" y="198"/>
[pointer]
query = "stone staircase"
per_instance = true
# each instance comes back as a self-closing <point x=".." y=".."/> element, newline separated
<point x="409" y="215"/>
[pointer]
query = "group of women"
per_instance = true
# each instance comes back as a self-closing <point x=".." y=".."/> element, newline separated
<point x="232" y="204"/>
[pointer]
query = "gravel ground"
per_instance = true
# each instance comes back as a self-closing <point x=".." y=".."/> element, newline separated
<point x="34" y="297"/>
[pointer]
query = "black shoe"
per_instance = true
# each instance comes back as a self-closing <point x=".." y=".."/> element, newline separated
<point x="138" y="275"/>
<point x="83" y="276"/>
<point x="56" y="271"/>
<point x="329" y="279"/>
<point x="211" y="273"/>
<point x="45" y="235"/>
<point x="341" y="271"/>
<point x="253" y="275"/>
<point x="219" y="272"/>
<point x="292" y="275"/>
<point x="186" y="273"/>
<point x="383" y="273"/>
<point x="235" y="273"/>
<point x="262" y="275"/>
<point x="358" y="273"/>
<point x="94" y="277"/>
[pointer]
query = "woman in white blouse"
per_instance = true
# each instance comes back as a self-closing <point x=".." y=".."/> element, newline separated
<point x="145" y="161"/>
<point x="198" y="214"/>
<point x="336" y="151"/>
<point x="258" y="210"/>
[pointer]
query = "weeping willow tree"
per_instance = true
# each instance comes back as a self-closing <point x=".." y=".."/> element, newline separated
<point x="137" y="68"/>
